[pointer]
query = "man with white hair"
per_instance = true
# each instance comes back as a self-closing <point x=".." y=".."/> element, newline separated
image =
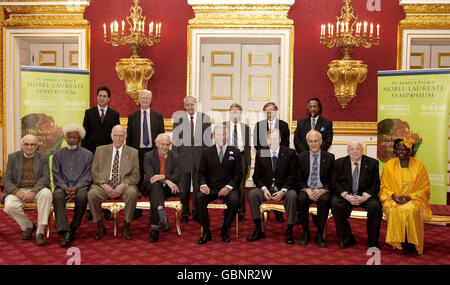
<point x="162" y="170"/>
<point x="71" y="168"/>
<point x="357" y="185"/>
<point x="27" y="180"/>
<point x="144" y="126"/>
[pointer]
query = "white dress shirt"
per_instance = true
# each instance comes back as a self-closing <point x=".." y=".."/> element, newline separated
<point x="100" y="110"/>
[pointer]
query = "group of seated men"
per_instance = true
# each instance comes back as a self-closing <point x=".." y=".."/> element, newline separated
<point x="312" y="176"/>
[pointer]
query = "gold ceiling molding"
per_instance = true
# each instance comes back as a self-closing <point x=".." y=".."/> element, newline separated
<point x="426" y="8"/>
<point x="241" y="14"/>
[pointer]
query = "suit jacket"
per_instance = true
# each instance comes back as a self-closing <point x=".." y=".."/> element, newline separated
<point x="327" y="172"/>
<point x="245" y="133"/>
<point x="190" y="149"/>
<point x="218" y="174"/>
<point x="14" y="167"/>
<point x="152" y="165"/>
<point x="98" y="134"/>
<point x="369" y="176"/>
<point x="260" y="133"/>
<point x="134" y="128"/>
<point x="129" y="165"/>
<point x="323" y="125"/>
<point x="285" y="170"/>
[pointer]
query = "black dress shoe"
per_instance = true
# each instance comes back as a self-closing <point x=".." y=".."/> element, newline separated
<point x="27" y="233"/>
<point x="205" y="238"/>
<point x="101" y="231"/>
<point x="126" y="231"/>
<point x="319" y="240"/>
<point x="289" y="237"/>
<point x="347" y="242"/>
<point x="107" y="215"/>
<point x="279" y="216"/>
<point x="67" y="240"/>
<point x="305" y="238"/>
<point x="257" y="234"/>
<point x="184" y="219"/>
<point x="409" y="248"/>
<point x="165" y="226"/>
<point x="242" y="218"/>
<point x="154" y="236"/>
<point x="225" y="236"/>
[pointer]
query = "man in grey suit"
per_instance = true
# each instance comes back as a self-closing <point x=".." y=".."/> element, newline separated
<point x="191" y="135"/>
<point x="115" y="174"/>
<point x="162" y="170"/>
<point x="27" y="180"/>
<point x="239" y="136"/>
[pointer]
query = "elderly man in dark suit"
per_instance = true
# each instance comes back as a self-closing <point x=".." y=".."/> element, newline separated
<point x="239" y="136"/>
<point x="115" y="174"/>
<point x="27" y="180"/>
<point x="260" y="134"/>
<point x="313" y="121"/>
<point x="219" y="177"/>
<point x="162" y="170"/>
<point x="191" y="135"/>
<point x="274" y="177"/>
<point x="357" y="185"/>
<point x="315" y="177"/>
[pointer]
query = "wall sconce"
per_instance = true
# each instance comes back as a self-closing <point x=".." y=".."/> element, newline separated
<point x="135" y="71"/>
<point x="346" y="73"/>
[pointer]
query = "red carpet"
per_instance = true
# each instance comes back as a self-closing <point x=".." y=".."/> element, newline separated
<point x="183" y="250"/>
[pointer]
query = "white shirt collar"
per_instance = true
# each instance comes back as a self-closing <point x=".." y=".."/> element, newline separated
<point x="277" y="151"/>
<point x="28" y="156"/>
<point x="224" y="147"/>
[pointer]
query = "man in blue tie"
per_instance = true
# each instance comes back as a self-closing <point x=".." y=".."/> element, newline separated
<point x="315" y="177"/>
<point x="357" y="185"/>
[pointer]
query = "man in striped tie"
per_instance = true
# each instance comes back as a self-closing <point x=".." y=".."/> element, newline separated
<point x="240" y="137"/>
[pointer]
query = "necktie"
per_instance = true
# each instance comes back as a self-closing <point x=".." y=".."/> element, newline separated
<point x="274" y="161"/>
<point x="102" y="116"/>
<point x="235" y="136"/>
<point x="314" y="172"/>
<point x="313" y="123"/>
<point x="145" y="138"/>
<point x="355" y="179"/>
<point x="192" y="130"/>
<point x="115" y="171"/>
<point x="221" y="154"/>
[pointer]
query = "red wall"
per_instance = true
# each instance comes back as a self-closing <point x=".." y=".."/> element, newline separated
<point x="311" y="59"/>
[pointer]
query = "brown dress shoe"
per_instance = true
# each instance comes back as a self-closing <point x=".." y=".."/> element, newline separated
<point x="126" y="231"/>
<point x="26" y="235"/>
<point x="40" y="239"/>
<point x="101" y="231"/>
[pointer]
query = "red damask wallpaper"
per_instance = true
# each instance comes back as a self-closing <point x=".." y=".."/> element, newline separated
<point x="311" y="59"/>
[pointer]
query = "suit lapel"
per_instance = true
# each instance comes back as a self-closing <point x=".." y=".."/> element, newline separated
<point x="19" y="167"/>
<point x="36" y="162"/>
<point x="322" y="164"/>
<point x="108" y="160"/>
<point x="348" y="170"/>
<point x="362" y="170"/>
<point x="157" y="162"/>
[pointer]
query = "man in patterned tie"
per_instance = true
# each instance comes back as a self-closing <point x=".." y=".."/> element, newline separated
<point x="115" y="174"/>
<point x="315" y="178"/>
<point x="357" y="185"/>
<point x="240" y="138"/>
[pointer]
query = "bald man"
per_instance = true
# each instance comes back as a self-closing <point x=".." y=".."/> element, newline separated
<point x="27" y="180"/>
<point x="357" y="185"/>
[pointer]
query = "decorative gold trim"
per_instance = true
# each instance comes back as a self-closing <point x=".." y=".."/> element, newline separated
<point x="422" y="56"/>
<point x="214" y="53"/>
<point x="269" y="86"/>
<point x="46" y="52"/>
<point x="366" y="144"/>
<point x="71" y="54"/>
<point x="212" y="95"/>
<point x="440" y="55"/>
<point x="250" y="59"/>
<point x="2" y="80"/>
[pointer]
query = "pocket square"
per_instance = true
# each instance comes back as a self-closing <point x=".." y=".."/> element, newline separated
<point x="231" y="158"/>
<point x="322" y="129"/>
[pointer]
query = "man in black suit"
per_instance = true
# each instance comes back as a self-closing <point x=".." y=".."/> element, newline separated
<point x="260" y="134"/>
<point x="357" y="185"/>
<point x="313" y="122"/>
<point x="191" y="134"/>
<point x="239" y="136"/>
<point x="219" y="177"/>
<point x="315" y="177"/>
<point x="162" y="169"/>
<point x="274" y="177"/>
<point x="98" y="123"/>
